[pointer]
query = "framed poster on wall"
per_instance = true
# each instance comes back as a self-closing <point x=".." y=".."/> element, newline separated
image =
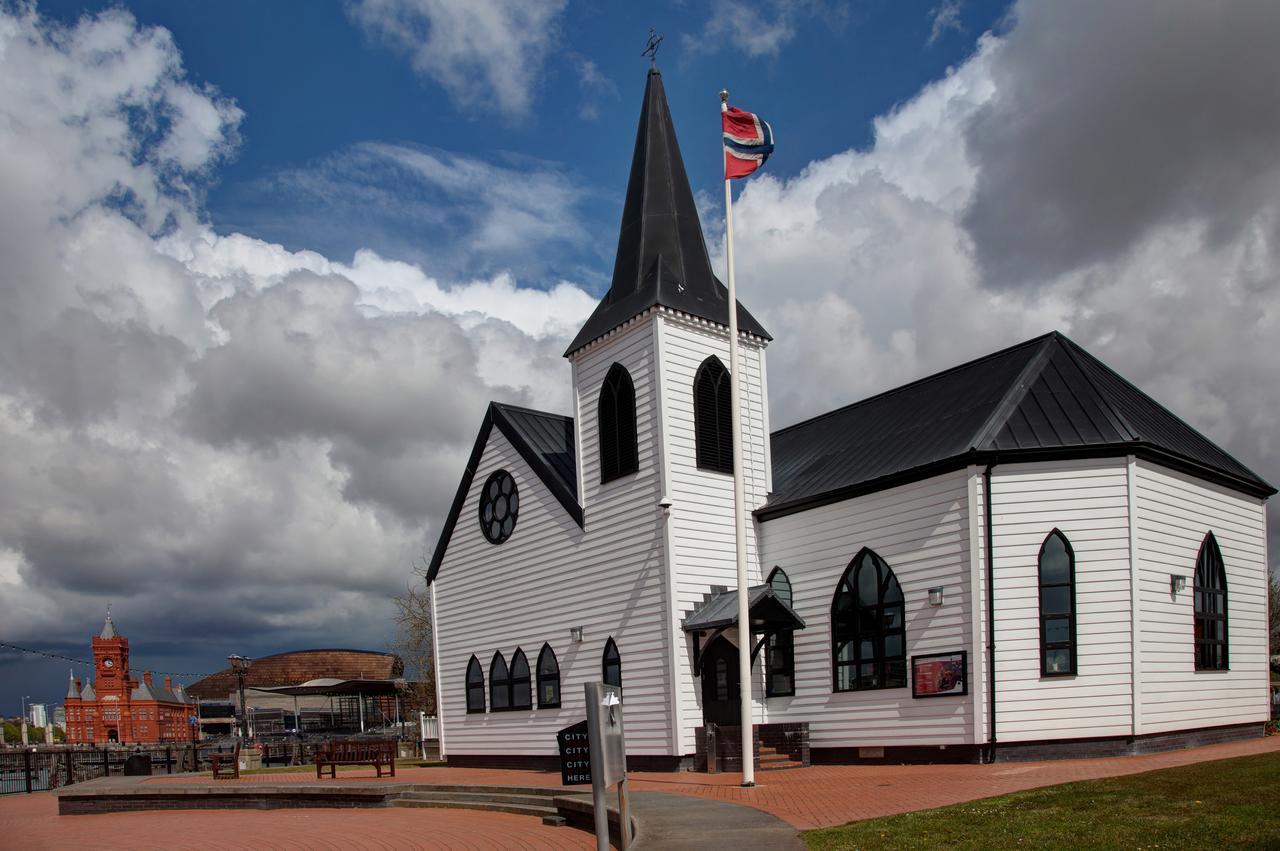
<point x="940" y="674"/>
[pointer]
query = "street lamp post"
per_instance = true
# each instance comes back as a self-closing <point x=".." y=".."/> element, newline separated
<point x="240" y="665"/>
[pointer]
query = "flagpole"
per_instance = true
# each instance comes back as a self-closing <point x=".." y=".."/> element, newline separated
<point x="739" y="497"/>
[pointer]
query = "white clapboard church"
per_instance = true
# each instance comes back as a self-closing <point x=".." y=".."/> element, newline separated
<point x="1021" y="556"/>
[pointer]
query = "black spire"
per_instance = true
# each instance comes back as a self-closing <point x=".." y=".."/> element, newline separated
<point x="662" y="258"/>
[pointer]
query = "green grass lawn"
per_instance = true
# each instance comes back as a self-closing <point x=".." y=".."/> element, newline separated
<point x="1233" y="803"/>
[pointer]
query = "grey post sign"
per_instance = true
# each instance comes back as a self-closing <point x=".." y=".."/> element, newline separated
<point x="608" y="759"/>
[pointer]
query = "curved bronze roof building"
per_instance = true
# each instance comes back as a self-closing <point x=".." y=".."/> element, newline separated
<point x="299" y="666"/>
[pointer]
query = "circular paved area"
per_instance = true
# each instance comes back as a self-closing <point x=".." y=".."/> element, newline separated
<point x="31" y="822"/>
<point x="827" y="795"/>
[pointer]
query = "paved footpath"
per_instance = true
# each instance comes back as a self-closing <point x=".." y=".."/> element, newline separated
<point x="804" y="798"/>
<point x="825" y="795"/>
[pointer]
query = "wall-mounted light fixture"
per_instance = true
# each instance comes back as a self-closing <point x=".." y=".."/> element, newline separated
<point x="1176" y="583"/>
<point x="664" y="503"/>
<point x="575" y="633"/>
<point x="935" y="596"/>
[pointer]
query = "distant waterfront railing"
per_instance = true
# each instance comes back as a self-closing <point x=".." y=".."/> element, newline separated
<point x="39" y="769"/>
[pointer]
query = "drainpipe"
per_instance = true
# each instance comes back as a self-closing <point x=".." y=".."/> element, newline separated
<point x="991" y="611"/>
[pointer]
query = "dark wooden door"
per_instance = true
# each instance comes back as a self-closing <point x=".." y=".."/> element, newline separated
<point x="721" y="703"/>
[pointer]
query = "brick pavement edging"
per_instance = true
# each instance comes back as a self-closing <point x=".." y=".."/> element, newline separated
<point x="820" y="796"/>
<point x="660" y="820"/>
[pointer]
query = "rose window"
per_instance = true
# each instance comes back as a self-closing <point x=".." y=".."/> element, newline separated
<point x="499" y="507"/>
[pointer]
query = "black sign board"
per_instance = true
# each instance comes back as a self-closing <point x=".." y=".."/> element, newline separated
<point x="575" y="754"/>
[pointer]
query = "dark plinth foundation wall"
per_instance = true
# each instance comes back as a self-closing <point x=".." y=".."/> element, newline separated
<point x="778" y="746"/>
<point x="898" y="755"/>
<point x="635" y="762"/>
<point x="1126" y="745"/>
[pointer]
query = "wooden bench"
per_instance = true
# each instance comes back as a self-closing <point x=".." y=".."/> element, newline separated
<point x="374" y="752"/>
<point x="226" y="766"/>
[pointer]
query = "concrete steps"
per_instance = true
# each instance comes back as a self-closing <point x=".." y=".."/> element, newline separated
<point x="772" y="759"/>
<point x="525" y="802"/>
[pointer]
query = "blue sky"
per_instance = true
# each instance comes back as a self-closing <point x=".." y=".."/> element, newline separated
<point x="312" y="84"/>
<point x="266" y="263"/>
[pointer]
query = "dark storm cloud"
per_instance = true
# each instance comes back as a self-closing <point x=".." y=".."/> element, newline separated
<point x="1110" y="119"/>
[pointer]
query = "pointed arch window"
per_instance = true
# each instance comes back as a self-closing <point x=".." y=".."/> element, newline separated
<point x="548" y="679"/>
<point x="475" y="686"/>
<point x="611" y="664"/>
<point x="780" y="654"/>
<point x="868" y="627"/>
<point x="712" y="425"/>
<point x="521" y="685"/>
<point x="1057" y="567"/>
<point x="616" y="424"/>
<point x="781" y="585"/>
<point x="1210" y="607"/>
<point x="499" y="684"/>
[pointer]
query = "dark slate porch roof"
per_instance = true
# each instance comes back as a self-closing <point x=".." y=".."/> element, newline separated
<point x="1045" y="398"/>
<point x="721" y="610"/>
<point x="662" y="257"/>
<point x="546" y="443"/>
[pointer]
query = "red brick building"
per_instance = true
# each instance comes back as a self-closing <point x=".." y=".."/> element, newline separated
<point x="117" y="708"/>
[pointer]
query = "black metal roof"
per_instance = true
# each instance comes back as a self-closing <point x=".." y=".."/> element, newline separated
<point x="545" y="441"/>
<point x="1043" y="398"/>
<point x="720" y="609"/>
<point x="662" y="258"/>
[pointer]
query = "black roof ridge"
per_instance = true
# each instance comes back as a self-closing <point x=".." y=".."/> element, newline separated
<point x="910" y="384"/>
<point x="507" y="406"/>
<point x="1016" y="392"/>
<point x="1166" y="411"/>
<point x="1073" y="350"/>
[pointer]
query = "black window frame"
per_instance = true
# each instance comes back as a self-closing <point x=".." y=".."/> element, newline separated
<point x="890" y="669"/>
<point x="616" y="425"/>
<point x="487" y="501"/>
<point x="520" y="679"/>
<point x="474" y="666"/>
<point x="1210" y="570"/>
<point x="616" y="662"/>
<point x="1070" y="644"/>
<point x="499" y="685"/>
<point x="548" y="677"/>
<point x="780" y="649"/>
<point x="713" y="417"/>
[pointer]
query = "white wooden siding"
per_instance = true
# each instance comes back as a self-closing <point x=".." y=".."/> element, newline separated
<point x="608" y="577"/>
<point x="922" y="531"/>
<point x="701" y="525"/>
<point x="1174" y="513"/>
<point x="1088" y="501"/>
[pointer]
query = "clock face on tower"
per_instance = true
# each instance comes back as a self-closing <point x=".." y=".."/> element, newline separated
<point x="108" y="663"/>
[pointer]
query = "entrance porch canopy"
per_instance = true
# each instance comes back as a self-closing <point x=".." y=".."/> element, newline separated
<point x="768" y="616"/>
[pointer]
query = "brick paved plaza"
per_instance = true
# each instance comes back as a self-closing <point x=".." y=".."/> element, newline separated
<point x="806" y="798"/>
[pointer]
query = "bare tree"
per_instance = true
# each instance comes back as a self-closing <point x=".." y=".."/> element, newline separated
<point x="413" y="639"/>
<point x="1274" y="587"/>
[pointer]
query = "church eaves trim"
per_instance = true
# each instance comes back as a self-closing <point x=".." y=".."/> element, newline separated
<point x="506" y="417"/>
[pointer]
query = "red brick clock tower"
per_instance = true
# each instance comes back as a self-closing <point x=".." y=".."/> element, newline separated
<point x="116" y="708"/>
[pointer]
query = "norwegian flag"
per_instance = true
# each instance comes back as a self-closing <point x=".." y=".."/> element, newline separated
<point x="748" y="142"/>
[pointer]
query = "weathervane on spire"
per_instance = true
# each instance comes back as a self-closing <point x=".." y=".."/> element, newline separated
<point x="651" y="47"/>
